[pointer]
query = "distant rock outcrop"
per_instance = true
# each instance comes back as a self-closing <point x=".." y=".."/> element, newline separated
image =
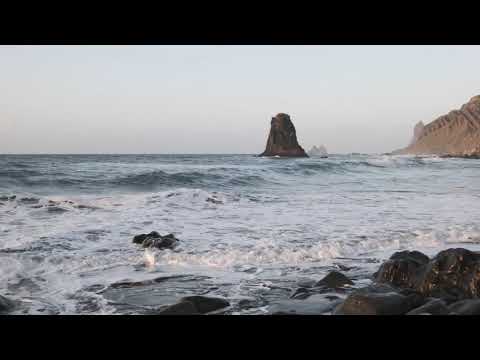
<point x="318" y="151"/>
<point x="455" y="134"/>
<point x="282" y="139"/>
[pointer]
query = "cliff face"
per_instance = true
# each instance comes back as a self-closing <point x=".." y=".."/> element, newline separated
<point x="456" y="133"/>
<point x="282" y="139"/>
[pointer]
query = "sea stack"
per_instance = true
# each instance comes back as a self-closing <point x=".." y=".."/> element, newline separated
<point x="282" y="139"/>
<point x="455" y="134"/>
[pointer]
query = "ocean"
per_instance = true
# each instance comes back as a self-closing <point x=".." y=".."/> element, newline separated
<point x="251" y="229"/>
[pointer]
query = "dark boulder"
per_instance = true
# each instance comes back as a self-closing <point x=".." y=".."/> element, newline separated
<point x="454" y="273"/>
<point x="154" y="239"/>
<point x="334" y="280"/>
<point x="206" y="304"/>
<point x="6" y="304"/>
<point x="282" y="139"/>
<point x="466" y="307"/>
<point x="301" y="293"/>
<point x="432" y="307"/>
<point x="317" y="304"/>
<point x="401" y="269"/>
<point x="138" y="239"/>
<point x="378" y="300"/>
<point x="181" y="308"/>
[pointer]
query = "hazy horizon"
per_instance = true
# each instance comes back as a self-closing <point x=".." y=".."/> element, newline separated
<point x="220" y="99"/>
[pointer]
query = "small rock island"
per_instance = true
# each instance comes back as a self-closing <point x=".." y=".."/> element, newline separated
<point x="282" y="139"/>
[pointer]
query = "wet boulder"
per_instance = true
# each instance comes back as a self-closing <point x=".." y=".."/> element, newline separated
<point x="206" y="304"/>
<point x="432" y="307"/>
<point x="378" y="300"/>
<point x="6" y="305"/>
<point x="334" y="280"/>
<point x="317" y="304"/>
<point x="402" y="269"/>
<point x="453" y="273"/>
<point x="466" y="307"/>
<point x="180" y="308"/>
<point x="195" y="305"/>
<point x="154" y="239"/>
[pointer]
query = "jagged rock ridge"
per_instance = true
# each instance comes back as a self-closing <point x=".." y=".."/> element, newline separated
<point x="456" y="133"/>
<point x="282" y="139"/>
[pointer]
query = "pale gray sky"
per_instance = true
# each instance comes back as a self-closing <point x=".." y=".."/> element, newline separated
<point x="219" y="99"/>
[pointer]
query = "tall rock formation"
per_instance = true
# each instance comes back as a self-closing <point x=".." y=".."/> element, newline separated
<point x="282" y="139"/>
<point x="456" y="133"/>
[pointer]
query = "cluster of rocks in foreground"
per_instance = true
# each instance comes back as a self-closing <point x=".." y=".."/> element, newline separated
<point x="410" y="283"/>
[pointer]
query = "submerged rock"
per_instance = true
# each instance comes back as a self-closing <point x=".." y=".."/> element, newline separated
<point x="282" y="139"/>
<point x="206" y="304"/>
<point x="378" y="300"/>
<point x="432" y="307"/>
<point x="466" y="307"/>
<point x="334" y="280"/>
<point x="181" y="308"/>
<point x="317" y="304"/>
<point x="6" y="305"/>
<point x="154" y="239"/>
<point x="195" y="305"/>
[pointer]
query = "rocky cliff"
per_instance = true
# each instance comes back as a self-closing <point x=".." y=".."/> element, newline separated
<point x="456" y="133"/>
<point x="282" y="139"/>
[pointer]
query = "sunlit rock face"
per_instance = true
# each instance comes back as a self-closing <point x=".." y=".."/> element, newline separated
<point x="456" y="133"/>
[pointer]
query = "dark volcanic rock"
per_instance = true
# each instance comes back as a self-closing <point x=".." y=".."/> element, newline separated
<point x="282" y="139"/>
<point x="195" y="305"/>
<point x="401" y="269"/>
<point x="433" y="307"/>
<point x="205" y="304"/>
<point x="378" y="300"/>
<point x="6" y="305"/>
<point x="181" y="308"/>
<point x="154" y="239"/>
<point x="315" y="305"/>
<point x="138" y="239"/>
<point x="334" y="280"/>
<point x="466" y="307"/>
<point x="455" y="272"/>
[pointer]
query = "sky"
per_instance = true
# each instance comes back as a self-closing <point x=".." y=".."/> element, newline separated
<point x="220" y="99"/>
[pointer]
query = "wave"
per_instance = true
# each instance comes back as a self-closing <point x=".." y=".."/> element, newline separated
<point x="205" y="173"/>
